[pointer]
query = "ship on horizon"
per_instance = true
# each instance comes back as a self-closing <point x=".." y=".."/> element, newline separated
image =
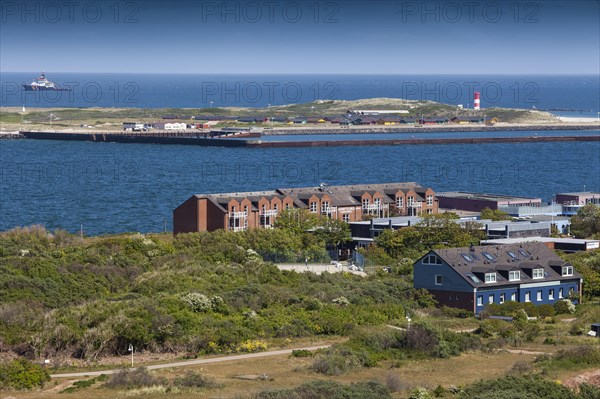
<point x="43" y="84"/>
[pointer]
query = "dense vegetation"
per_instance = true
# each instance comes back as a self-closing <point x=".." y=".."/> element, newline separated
<point x="197" y="293"/>
<point x="586" y="224"/>
<point x="402" y="247"/>
<point x="330" y="390"/>
<point x="526" y="387"/>
<point x="22" y="374"/>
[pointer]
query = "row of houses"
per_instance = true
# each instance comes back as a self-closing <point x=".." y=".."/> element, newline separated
<point x="247" y="210"/>
<point x="348" y="119"/>
<point x="143" y="127"/>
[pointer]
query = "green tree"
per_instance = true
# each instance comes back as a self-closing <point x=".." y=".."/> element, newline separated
<point x="297" y="220"/>
<point x="588" y="265"/>
<point x="434" y="231"/>
<point x="494" y="214"/>
<point x="587" y="221"/>
<point x="22" y="374"/>
<point x="333" y="232"/>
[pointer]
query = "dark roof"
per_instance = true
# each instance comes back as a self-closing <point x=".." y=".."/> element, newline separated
<point x="487" y="259"/>
<point x="341" y="196"/>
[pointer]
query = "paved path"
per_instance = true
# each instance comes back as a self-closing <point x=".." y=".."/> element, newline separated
<point x="195" y="361"/>
<point x="523" y="352"/>
<point x="317" y="268"/>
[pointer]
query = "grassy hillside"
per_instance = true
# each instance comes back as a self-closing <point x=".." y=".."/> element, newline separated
<point x="84" y="300"/>
<point x="201" y="293"/>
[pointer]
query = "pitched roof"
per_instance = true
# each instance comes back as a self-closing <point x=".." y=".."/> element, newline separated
<point x="503" y="258"/>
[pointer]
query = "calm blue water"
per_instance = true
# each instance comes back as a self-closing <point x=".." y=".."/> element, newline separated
<point x="111" y="188"/>
<point x="579" y="93"/>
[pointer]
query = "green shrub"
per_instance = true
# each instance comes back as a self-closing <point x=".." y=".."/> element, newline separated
<point x="136" y="378"/>
<point x="336" y="360"/>
<point x="564" y="306"/>
<point x="440" y="391"/>
<point x="195" y="380"/>
<point x="329" y="390"/>
<point x="455" y="312"/>
<point x="573" y="358"/>
<point x="517" y="387"/>
<point x="22" y="374"/>
<point x="492" y="327"/>
<point x="589" y="391"/>
<point x="301" y="353"/>
<point x="420" y="393"/>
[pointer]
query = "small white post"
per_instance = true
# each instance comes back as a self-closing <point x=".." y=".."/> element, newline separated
<point x="130" y="349"/>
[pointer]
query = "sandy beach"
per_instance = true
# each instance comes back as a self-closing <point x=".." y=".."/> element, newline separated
<point x="578" y="119"/>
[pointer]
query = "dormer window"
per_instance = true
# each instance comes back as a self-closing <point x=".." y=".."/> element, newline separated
<point x="514" y="275"/>
<point x="400" y="202"/>
<point x="567" y="270"/>
<point x="313" y="207"/>
<point x="538" y="273"/>
<point x="432" y="260"/>
<point x="490" y="278"/>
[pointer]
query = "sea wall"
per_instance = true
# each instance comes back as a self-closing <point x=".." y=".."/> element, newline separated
<point x="309" y="130"/>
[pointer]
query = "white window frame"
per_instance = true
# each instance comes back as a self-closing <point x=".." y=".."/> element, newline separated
<point x="491" y="299"/>
<point x="539" y="296"/>
<point x="551" y="294"/>
<point x="432" y="259"/>
<point x="567" y="270"/>
<point x="537" y="273"/>
<point x="513" y="297"/>
<point x="346" y="217"/>
<point x="314" y="207"/>
<point x="502" y="298"/>
<point x="512" y="274"/>
<point x="490" y="278"/>
<point x="410" y="200"/>
<point x="560" y="293"/>
<point x="366" y="202"/>
<point x="528" y="296"/>
<point x="440" y="278"/>
<point x="430" y="200"/>
<point x="400" y="202"/>
<point x="479" y="300"/>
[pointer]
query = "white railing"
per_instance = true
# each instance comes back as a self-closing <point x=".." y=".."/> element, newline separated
<point x="238" y="215"/>
<point x="269" y="212"/>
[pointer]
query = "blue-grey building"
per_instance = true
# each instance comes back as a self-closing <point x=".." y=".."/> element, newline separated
<point x="470" y="278"/>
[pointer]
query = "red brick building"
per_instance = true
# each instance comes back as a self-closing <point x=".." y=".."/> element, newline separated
<point x="241" y="211"/>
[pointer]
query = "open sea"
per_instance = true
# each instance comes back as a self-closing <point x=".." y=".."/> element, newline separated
<point x="112" y="188"/>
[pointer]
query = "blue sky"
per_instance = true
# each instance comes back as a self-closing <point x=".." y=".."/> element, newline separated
<point x="304" y="36"/>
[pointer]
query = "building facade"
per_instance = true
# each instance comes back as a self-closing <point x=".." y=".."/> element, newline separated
<point x="470" y="278"/>
<point x="476" y="202"/>
<point x="242" y="211"/>
<point x="573" y="202"/>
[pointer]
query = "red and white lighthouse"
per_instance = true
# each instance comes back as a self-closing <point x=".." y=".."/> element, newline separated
<point x="476" y="101"/>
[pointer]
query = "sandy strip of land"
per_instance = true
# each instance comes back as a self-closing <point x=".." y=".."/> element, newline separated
<point x="578" y="119"/>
